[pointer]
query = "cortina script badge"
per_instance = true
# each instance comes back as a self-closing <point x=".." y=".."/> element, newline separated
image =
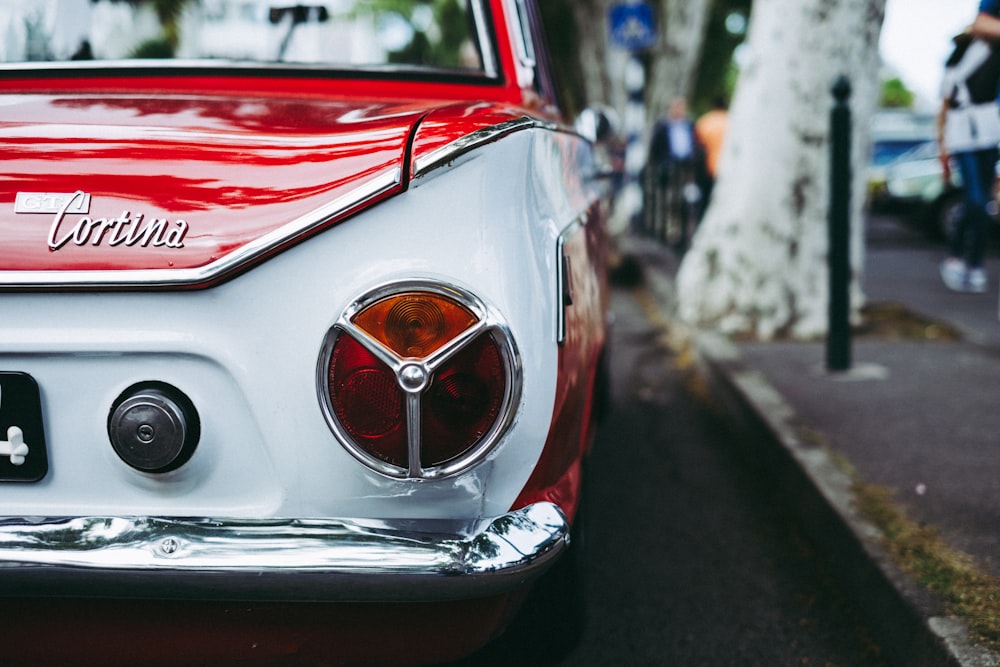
<point x="127" y="229"/>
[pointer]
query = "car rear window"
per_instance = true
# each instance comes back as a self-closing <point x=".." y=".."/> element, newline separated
<point x="441" y="36"/>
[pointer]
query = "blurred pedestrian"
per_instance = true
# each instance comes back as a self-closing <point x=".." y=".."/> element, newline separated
<point x="968" y="134"/>
<point x="677" y="164"/>
<point x="673" y="143"/>
<point x="987" y="23"/>
<point x="710" y="129"/>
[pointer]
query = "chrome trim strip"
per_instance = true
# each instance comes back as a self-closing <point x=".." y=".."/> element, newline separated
<point x="562" y="277"/>
<point x="239" y="258"/>
<point x="413" y="439"/>
<point x="521" y="43"/>
<point x="485" y="37"/>
<point x="281" y="559"/>
<point x="329" y="71"/>
<point x="469" y="142"/>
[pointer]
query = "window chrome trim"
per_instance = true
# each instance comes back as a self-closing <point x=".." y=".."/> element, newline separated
<point x="334" y="559"/>
<point x="487" y="49"/>
<point x="489" y="323"/>
<point x="240" y="68"/>
<point x="521" y="38"/>
<point x="247" y="254"/>
<point x="478" y="12"/>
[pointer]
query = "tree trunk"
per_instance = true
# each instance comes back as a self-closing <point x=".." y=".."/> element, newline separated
<point x="593" y="54"/>
<point x="674" y="61"/>
<point x="758" y="263"/>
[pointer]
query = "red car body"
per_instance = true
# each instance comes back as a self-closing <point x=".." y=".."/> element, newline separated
<point x="125" y="185"/>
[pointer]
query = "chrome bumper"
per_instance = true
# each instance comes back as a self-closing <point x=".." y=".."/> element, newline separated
<point x="310" y="560"/>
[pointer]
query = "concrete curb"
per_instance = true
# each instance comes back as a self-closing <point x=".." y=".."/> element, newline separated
<point x="908" y="622"/>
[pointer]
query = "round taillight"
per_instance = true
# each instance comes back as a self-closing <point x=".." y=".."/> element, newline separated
<point x="419" y="383"/>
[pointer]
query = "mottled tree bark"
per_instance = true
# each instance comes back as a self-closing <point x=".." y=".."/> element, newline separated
<point x="674" y="63"/>
<point x="758" y="263"/>
<point x="594" y="53"/>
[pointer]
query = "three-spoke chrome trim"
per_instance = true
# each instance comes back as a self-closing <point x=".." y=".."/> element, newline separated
<point x="488" y="323"/>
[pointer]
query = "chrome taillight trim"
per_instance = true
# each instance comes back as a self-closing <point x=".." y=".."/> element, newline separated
<point x="321" y="559"/>
<point x="247" y="254"/>
<point x="489" y="323"/>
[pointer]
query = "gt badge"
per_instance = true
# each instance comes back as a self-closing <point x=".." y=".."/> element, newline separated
<point x="52" y="202"/>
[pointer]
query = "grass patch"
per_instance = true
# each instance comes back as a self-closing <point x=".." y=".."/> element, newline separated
<point x="916" y="549"/>
<point x="893" y="321"/>
<point x="920" y="551"/>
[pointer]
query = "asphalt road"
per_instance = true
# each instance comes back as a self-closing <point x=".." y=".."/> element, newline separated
<point x="689" y="561"/>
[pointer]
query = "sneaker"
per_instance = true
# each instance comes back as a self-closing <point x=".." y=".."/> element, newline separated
<point x="953" y="274"/>
<point x="975" y="281"/>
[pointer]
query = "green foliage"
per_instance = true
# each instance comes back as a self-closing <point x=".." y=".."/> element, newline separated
<point x="895" y="95"/>
<point x="717" y="72"/>
<point x="919" y="550"/>
<point x="154" y="48"/>
<point x="169" y="13"/>
<point x="450" y="20"/>
<point x="564" y="44"/>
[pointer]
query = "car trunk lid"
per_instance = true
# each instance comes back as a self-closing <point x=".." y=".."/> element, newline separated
<point x="127" y="189"/>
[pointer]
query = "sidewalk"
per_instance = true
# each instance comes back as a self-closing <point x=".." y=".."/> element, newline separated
<point x="919" y="416"/>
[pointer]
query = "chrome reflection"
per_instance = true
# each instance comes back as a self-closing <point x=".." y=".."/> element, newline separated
<point x="474" y="140"/>
<point x="293" y="559"/>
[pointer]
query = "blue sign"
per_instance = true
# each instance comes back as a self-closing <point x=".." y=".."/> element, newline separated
<point x="632" y="25"/>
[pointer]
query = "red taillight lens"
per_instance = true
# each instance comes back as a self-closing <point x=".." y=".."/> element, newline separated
<point x="368" y="401"/>
<point x="420" y="357"/>
<point x="463" y="402"/>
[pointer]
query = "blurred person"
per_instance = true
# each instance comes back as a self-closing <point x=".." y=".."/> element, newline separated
<point x="710" y="129"/>
<point x="968" y="134"/>
<point x="987" y="23"/>
<point x="673" y="142"/>
<point x="677" y="164"/>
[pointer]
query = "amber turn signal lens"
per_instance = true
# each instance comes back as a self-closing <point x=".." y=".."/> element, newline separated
<point x="415" y="324"/>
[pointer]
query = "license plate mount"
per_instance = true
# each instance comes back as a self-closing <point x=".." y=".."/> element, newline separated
<point x="23" y="454"/>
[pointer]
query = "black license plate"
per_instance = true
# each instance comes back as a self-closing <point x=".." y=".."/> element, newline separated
<point x="23" y="456"/>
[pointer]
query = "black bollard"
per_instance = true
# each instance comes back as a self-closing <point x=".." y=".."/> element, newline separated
<point x="838" y="345"/>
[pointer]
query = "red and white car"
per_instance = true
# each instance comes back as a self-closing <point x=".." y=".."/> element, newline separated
<point x="302" y="328"/>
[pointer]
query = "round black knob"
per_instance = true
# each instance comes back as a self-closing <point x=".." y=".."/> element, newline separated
<point x="153" y="428"/>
